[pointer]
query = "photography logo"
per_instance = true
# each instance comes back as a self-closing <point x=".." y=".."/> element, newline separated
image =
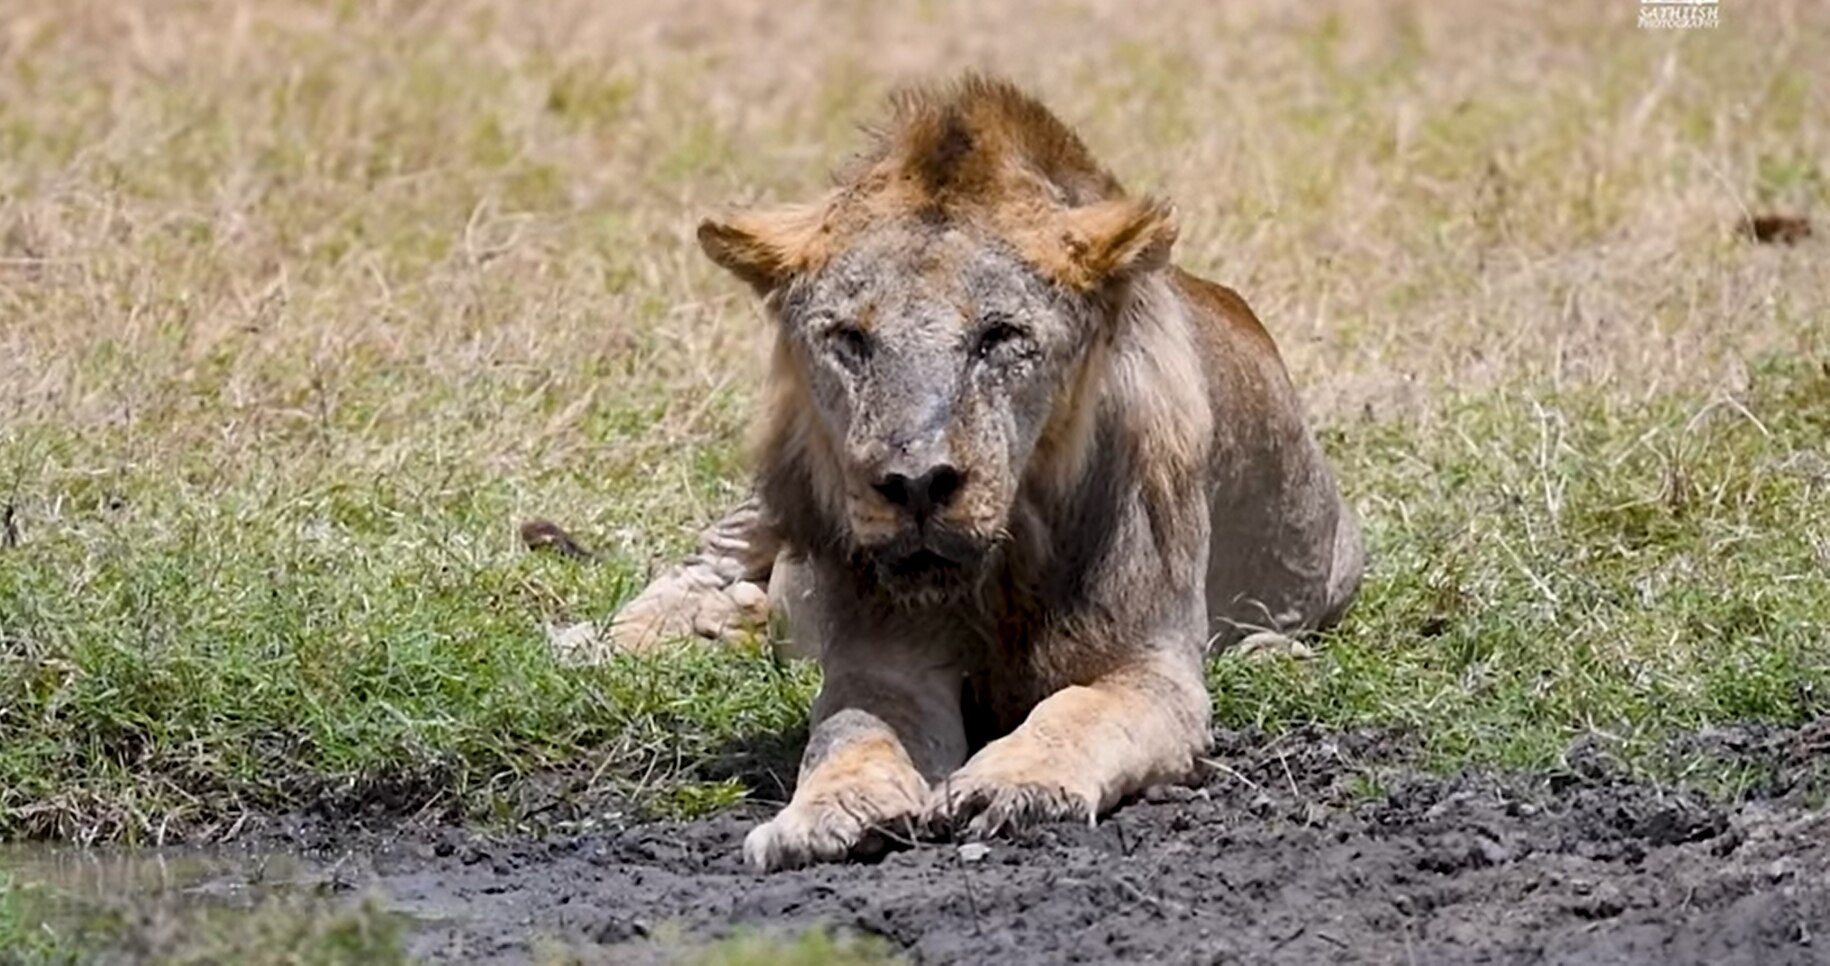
<point x="1676" y="14"/>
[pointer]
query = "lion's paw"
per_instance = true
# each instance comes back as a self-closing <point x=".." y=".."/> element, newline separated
<point x="833" y="827"/>
<point x="998" y="794"/>
<point x="690" y="601"/>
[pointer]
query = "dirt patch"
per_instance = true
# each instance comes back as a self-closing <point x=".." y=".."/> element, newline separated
<point x="1309" y="848"/>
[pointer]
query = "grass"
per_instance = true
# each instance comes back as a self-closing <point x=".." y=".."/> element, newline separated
<point x="812" y="947"/>
<point x="1556" y="567"/>
<point x="305" y="305"/>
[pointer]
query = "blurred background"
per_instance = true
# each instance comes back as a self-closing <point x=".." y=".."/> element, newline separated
<point x="382" y="227"/>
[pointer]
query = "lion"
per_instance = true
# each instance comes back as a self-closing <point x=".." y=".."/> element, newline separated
<point x="1015" y="474"/>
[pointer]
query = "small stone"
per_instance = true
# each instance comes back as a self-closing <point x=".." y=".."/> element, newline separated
<point x="973" y="851"/>
<point x="619" y="930"/>
<point x="1604" y="902"/>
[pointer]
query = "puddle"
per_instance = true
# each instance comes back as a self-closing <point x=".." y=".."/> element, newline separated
<point x="64" y="877"/>
<point x="114" y="898"/>
<point x="130" y="903"/>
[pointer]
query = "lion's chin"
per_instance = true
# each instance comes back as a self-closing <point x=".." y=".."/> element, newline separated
<point x="928" y="572"/>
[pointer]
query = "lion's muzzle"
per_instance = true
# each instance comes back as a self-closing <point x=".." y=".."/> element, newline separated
<point x="921" y="494"/>
<point x="927" y="559"/>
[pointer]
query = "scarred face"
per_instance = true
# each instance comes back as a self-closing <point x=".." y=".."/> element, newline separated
<point x="936" y="316"/>
<point x="933" y="358"/>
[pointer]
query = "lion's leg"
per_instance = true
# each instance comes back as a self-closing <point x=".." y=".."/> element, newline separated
<point x="886" y="724"/>
<point x="791" y="588"/>
<point x="719" y="592"/>
<point x="1082" y="750"/>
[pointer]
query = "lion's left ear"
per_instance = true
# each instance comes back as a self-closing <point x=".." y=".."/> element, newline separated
<point x="1109" y="241"/>
<point x="764" y="248"/>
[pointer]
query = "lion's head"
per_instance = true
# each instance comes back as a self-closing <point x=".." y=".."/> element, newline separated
<point x="938" y="316"/>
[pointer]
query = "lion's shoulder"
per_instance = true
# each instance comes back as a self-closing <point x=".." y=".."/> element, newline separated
<point x="1221" y="311"/>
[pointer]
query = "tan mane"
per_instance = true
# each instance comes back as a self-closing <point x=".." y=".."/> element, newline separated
<point x="975" y="142"/>
<point x="977" y="152"/>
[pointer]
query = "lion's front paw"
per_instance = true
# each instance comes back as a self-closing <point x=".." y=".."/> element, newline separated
<point x="834" y="826"/>
<point x="1006" y="790"/>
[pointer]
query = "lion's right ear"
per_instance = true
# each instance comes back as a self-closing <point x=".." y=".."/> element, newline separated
<point x="764" y="248"/>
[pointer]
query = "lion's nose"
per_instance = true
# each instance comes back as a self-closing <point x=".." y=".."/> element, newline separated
<point x="924" y="493"/>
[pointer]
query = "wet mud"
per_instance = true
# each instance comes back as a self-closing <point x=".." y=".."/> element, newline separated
<point x="1310" y="848"/>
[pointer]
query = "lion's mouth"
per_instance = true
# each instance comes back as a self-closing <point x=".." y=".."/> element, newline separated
<point x="930" y="563"/>
<point x="922" y="563"/>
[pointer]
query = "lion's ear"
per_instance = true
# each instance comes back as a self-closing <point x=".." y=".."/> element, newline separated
<point x="1112" y="240"/>
<point x="764" y="248"/>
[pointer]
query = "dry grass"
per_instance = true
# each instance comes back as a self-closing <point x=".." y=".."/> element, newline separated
<point x="308" y="237"/>
<point x="304" y="305"/>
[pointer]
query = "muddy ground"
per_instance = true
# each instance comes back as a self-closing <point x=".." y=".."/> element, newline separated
<point x="1312" y="848"/>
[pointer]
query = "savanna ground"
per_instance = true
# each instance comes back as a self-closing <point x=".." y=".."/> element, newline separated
<point x="304" y="306"/>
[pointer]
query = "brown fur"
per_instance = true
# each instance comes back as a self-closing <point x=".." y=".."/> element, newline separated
<point x="1130" y="479"/>
<point x="979" y="152"/>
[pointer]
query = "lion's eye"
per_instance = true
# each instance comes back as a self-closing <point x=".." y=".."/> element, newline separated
<point x="996" y="335"/>
<point x="850" y="343"/>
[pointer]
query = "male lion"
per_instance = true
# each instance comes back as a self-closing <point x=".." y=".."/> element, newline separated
<point x="1016" y="473"/>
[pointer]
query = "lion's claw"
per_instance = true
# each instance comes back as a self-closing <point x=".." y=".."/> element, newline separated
<point x="847" y="824"/>
<point x="982" y="807"/>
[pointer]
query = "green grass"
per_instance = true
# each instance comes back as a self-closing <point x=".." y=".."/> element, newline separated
<point x="811" y="948"/>
<point x="304" y="306"/>
<point x="1548" y="568"/>
<point x="1545" y="567"/>
<point x="273" y="933"/>
<point x="291" y="651"/>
